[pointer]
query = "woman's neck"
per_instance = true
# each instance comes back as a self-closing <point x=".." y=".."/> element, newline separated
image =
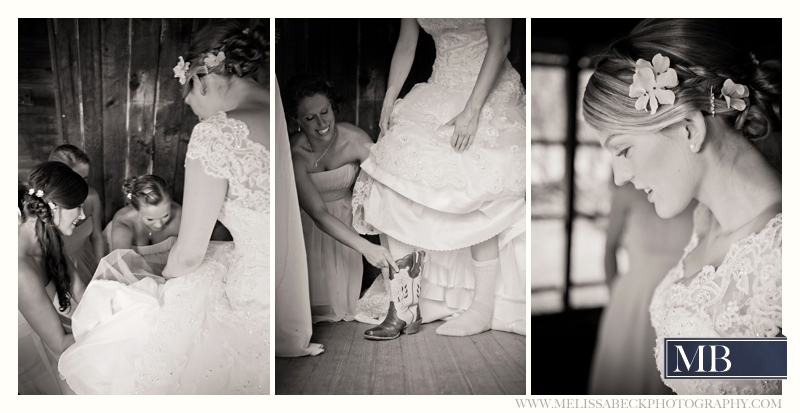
<point x="739" y="184"/>
<point x="240" y="93"/>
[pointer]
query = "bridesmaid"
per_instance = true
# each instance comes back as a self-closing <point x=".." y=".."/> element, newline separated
<point x="48" y="288"/>
<point x="86" y="245"/>
<point x="325" y="156"/>
<point x="149" y="222"/>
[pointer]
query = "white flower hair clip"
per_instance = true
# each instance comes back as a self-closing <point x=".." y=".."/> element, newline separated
<point x="735" y="94"/>
<point x="651" y="81"/>
<point x="180" y="70"/>
<point x="213" y="60"/>
<point x="38" y="193"/>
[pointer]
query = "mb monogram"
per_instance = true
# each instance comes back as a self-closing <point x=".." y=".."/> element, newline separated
<point x="730" y="358"/>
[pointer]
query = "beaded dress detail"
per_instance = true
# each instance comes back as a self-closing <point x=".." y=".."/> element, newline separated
<point x="740" y="298"/>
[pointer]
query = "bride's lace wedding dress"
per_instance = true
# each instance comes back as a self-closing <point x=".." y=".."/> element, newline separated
<point x="741" y="298"/>
<point x="418" y="190"/>
<point x="203" y="333"/>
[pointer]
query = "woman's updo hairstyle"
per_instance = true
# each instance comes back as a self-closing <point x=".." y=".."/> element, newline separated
<point x="56" y="183"/>
<point x="305" y="86"/>
<point x="69" y="154"/>
<point x="246" y="50"/>
<point x="145" y="190"/>
<point x="704" y="54"/>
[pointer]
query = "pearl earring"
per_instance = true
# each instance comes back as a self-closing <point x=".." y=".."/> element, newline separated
<point x="691" y="146"/>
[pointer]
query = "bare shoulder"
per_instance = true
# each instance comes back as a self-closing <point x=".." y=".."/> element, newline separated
<point x="124" y="217"/>
<point x="176" y="210"/>
<point x="26" y="240"/>
<point x="354" y="133"/>
<point x="92" y="202"/>
<point x="298" y="142"/>
<point x="93" y="195"/>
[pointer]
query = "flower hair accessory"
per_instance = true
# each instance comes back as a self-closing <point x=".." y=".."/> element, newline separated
<point x="38" y="193"/>
<point x="651" y="81"/>
<point x="129" y="195"/>
<point x="213" y="60"/>
<point x="180" y="70"/>
<point x="735" y="95"/>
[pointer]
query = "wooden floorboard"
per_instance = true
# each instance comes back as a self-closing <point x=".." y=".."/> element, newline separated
<point x="423" y="363"/>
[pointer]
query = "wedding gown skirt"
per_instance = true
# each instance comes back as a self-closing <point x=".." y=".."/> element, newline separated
<point x="419" y="191"/>
<point x="204" y="333"/>
<point x="334" y="269"/>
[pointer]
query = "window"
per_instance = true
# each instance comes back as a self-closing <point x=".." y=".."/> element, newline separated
<point x="571" y="188"/>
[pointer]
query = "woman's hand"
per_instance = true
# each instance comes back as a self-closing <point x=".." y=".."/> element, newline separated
<point x="379" y="257"/>
<point x="466" y="126"/>
<point x="386" y="118"/>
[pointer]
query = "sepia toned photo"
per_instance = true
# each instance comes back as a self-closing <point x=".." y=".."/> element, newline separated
<point x="656" y="198"/>
<point x="143" y="206"/>
<point x="401" y="269"/>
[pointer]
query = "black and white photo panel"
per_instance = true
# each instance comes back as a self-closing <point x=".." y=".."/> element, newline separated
<point x="143" y="206"/>
<point x="656" y="204"/>
<point x="400" y="185"/>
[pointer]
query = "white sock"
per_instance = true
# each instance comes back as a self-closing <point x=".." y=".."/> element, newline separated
<point x="478" y="317"/>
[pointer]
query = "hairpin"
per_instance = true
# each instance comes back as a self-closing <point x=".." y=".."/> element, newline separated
<point x="651" y="81"/>
<point x="38" y="193"/>
<point x="713" y="102"/>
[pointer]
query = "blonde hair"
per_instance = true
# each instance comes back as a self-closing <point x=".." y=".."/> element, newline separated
<point x="704" y="56"/>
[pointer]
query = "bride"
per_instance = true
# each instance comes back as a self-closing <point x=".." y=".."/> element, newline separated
<point x="688" y="114"/>
<point x="447" y="175"/>
<point x="204" y="327"/>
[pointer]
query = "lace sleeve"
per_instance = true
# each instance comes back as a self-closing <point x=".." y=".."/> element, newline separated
<point x="210" y="144"/>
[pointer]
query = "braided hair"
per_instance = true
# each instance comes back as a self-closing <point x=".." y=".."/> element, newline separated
<point x="246" y="51"/>
<point x="66" y="189"/>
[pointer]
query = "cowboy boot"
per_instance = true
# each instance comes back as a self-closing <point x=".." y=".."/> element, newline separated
<point x="403" y="315"/>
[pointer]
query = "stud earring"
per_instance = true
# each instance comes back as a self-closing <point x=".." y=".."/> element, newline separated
<point x="692" y="146"/>
<point x="203" y="92"/>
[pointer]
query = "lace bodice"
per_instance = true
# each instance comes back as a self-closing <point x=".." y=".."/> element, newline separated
<point x="222" y="146"/>
<point x="741" y="298"/>
<point x="461" y="45"/>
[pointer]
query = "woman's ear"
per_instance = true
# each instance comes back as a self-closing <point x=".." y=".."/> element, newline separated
<point x="695" y="131"/>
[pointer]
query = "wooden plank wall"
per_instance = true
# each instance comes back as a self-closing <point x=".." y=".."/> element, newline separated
<point x="355" y="54"/>
<point x="107" y="87"/>
<point x="38" y="121"/>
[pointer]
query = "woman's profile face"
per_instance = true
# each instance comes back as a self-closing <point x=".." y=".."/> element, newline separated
<point x="659" y="163"/>
<point x="315" y="116"/>
<point x="156" y="217"/>
<point x="67" y="219"/>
